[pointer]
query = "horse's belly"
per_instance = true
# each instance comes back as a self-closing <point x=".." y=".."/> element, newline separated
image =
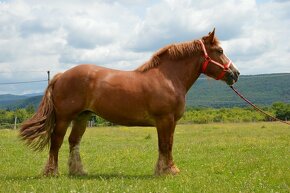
<point x="125" y="118"/>
<point x="123" y="111"/>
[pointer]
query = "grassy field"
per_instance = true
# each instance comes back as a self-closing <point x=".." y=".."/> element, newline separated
<point x="247" y="157"/>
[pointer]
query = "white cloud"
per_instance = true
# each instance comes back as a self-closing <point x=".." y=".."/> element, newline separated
<point x="123" y="34"/>
<point x="109" y="56"/>
<point x="263" y="47"/>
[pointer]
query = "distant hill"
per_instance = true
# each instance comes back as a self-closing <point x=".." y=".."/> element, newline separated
<point x="19" y="101"/>
<point x="260" y="89"/>
<point x="10" y="97"/>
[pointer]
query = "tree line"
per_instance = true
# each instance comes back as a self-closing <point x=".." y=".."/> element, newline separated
<point x="191" y="115"/>
<point x="235" y="114"/>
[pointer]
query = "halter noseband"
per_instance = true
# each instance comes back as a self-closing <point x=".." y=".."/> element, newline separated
<point x="225" y="67"/>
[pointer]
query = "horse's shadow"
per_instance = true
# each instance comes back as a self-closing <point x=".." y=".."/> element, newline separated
<point x="101" y="176"/>
<point x="104" y="176"/>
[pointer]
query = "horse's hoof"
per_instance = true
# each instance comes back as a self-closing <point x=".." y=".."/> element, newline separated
<point x="78" y="173"/>
<point x="50" y="173"/>
<point x="172" y="170"/>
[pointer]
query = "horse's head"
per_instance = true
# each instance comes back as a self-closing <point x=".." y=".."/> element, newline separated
<point x="215" y="63"/>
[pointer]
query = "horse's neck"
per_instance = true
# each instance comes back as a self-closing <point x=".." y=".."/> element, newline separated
<point x="183" y="72"/>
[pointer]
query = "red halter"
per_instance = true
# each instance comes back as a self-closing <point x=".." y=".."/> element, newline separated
<point x="225" y="67"/>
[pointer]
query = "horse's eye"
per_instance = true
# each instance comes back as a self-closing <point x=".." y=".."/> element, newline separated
<point x="221" y="51"/>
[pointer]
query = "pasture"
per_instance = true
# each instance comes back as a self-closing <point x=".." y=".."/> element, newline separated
<point x="242" y="157"/>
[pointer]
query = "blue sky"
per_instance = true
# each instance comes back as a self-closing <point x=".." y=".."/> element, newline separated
<point x="36" y="36"/>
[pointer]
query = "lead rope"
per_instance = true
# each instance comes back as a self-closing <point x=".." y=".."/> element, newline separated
<point x="257" y="108"/>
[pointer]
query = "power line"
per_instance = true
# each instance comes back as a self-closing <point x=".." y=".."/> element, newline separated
<point x="26" y="71"/>
<point x="263" y="75"/>
<point x="21" y="71"/>
<point x="22" y="82"/>
<point x="253" y="76"/>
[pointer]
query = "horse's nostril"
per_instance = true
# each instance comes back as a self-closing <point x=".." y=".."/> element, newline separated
<point x="235" y="76"/>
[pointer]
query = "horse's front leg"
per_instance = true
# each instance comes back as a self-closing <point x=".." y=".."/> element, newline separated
<point x="165" y="128"/>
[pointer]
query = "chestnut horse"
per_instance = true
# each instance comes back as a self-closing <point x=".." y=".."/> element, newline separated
<point x="151" y="95"/>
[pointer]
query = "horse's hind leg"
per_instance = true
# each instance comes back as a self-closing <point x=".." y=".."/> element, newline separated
<point x="51" y="168"/>
<point x="78" y="129"/>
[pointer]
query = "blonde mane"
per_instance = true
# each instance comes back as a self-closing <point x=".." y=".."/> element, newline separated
<point x="175" y="51"/>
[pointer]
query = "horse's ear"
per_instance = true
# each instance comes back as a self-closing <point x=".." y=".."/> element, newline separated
<point x="211" y="36"/>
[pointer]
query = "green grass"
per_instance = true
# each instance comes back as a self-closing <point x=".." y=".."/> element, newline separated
<point x="244" y="157"/>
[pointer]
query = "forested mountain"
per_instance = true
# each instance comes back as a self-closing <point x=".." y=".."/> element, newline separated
<point x="20" y="101"/>
<point x="260" y="89"/>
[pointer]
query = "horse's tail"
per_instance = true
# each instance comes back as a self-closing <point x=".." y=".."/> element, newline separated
<point x="37" y="130"/>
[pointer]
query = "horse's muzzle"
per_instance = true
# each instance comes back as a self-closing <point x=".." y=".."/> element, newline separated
<point x="232" y="77"/>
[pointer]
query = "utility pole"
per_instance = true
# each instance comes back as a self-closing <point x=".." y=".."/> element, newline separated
<point x="48" y="76"/>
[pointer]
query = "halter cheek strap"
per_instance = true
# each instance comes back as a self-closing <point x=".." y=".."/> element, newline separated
<point x="207" y="60"/>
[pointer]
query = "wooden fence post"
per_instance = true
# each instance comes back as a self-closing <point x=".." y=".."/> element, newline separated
<point x="15" y="122"/>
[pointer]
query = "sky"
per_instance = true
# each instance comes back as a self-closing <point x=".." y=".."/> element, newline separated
<point x="37" y="36"/>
